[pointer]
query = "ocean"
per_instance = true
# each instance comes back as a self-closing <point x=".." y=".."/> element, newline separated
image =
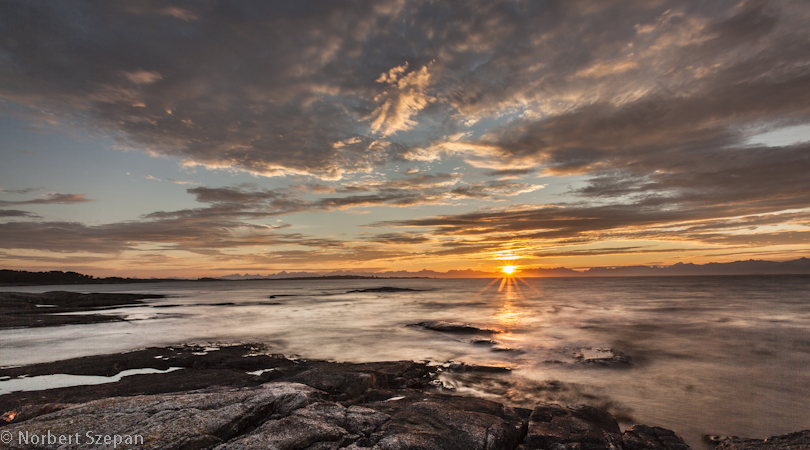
<point x="722" y="355"/>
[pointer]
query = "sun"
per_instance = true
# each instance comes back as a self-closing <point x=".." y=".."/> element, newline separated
<point x="508" y="270"/>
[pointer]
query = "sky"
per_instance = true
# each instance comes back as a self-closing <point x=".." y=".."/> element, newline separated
<point x="205" y="138"/>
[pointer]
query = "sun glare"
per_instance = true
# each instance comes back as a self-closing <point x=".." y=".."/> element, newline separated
<point x="509" y="270"/>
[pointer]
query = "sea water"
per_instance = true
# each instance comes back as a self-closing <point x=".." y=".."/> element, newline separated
<point x="698" y="355"/>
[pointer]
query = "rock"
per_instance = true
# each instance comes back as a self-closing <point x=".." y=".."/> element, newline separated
<point x="384" y="289"/>
<point x="463" y="368"/>
<point x="443" y="422"/>
<point x="642" y="437"/>
<point x="307" y="405"/>
<point x="452" y="327"/>
<point x="24" y="309"/>
<point x="600" y="356"/>
<point x="194" y="420"/>
<point x="323" y="425"/>
<point x="793" y="441"/>
<point x="571" y="428"/>
<point x="342" y="385"/>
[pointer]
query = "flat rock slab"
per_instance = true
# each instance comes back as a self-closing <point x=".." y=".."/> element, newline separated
<point x="171" y="421"/>
<point x="414" y="421"/>
<point x="453" y="327"/>
<point x="793" y="441"/>
<point x="26" y="310"/>
<point x="384" y="289"/>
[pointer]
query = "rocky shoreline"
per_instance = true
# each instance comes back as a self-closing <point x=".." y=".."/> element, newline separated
<point x="27" y="310"/>
<point x="240" y="397"/>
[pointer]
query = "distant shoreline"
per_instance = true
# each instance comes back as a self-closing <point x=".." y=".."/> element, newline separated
<point x="799" y="266"/>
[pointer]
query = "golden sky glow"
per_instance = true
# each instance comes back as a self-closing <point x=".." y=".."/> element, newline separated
<point x="402" y="136"/>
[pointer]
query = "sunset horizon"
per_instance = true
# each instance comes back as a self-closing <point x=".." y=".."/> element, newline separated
<point x="155" y="141"/>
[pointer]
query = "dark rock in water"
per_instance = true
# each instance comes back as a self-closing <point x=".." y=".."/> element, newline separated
<point x="461" y="367"/>
<point x="793" y="441"/>
<point x="506" y="350"/>
<point x="590" y="356"/>
<point x="384" y="289"/>
<point x="483" y="342"/>
<point x="570" y="428"/>
<point x="642" y="437"/>
<point x="25" y="309"/>
<point x="452" y="327"/>
<point x="236" y="398"/>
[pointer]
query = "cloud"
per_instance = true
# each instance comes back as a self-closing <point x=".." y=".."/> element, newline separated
<point x="649" y="104"/>
<point x="535" y="227"/>
<point x="54" y="198"/>
<point x="143" y="77"/>
<point x="16" y="213"/>
<point x="404" y="99"/>
<point x="332" y="90"/>
<point x="18" y="191"/>
<point x="181" y="181"/>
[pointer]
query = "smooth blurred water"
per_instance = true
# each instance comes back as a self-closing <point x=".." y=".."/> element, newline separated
<point x="710" y="355"/>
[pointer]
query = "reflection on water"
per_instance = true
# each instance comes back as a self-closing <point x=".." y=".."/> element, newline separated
<point x="720" y="355"/>
<point x="511" y="297"/>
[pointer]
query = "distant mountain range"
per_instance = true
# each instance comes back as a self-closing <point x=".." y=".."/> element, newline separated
<point x="799" y="266"/>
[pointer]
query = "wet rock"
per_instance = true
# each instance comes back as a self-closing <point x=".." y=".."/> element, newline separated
<point x="342" y="385"/>
<point x="571" y="428"/>
<point x="463" y="368"/>
<point x="484" y="342"/>
<point x="452" y="327"/>
<point x="591" y="356"/>
<point x="643" y="437"/>
<point x="25" y="309"/>
<point x="229" y="366"/>
<point x="306" y="405"/>
<point x="793" y="441"/>
<point x="384" y="289"/>
<point x="507" y="350"/>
